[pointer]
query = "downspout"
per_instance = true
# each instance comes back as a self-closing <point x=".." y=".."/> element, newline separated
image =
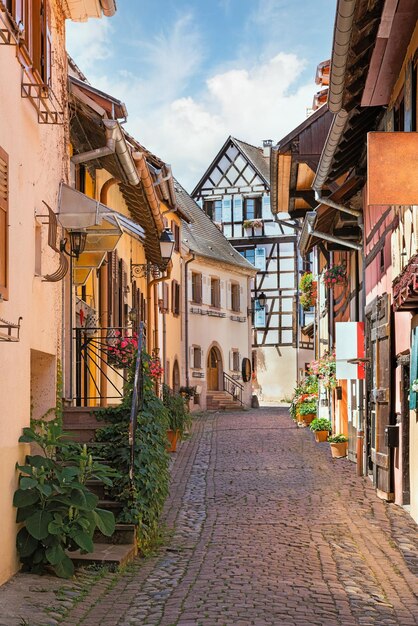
<point x="149" y="303"/>
<point x="186" y="316"/>
<point x="115" y="144"/>
<point x="108" y="7"/>
<point x="148" y="185"/>
<point x="104" y="299"/>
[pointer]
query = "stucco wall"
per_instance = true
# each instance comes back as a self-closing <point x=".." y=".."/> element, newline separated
<point x="37" y="163"/>
<point x="222" y="332"/>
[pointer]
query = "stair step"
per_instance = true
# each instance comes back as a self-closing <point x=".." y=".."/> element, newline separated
<point x="114" y="555"/>
<point x="124" y="534"/>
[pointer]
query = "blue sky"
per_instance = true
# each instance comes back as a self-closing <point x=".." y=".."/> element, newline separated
<point x="191" y="73"/>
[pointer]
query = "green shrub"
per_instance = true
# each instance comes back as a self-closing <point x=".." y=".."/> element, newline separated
<point x="56" y="508"/>
<point x="306" y="408"/>
<point x="320" y="423"/>
<point x="178" y="417"/>
<point x="142" y="498"/>
<point x="338" y="439"/>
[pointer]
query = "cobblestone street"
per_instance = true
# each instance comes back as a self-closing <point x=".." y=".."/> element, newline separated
<point x="268" y="530"/>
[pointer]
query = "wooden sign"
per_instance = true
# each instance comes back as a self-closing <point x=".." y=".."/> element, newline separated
<point x="392" y="168"/>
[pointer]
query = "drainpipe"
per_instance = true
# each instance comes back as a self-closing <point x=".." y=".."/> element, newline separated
<point x="115" y="144"/>
<point x="104" y="299"/>
<point x="186" y="316"/>
<point x="108" y="7"/>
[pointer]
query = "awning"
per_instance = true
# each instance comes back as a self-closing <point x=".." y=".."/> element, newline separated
<point x="104" y="229"/>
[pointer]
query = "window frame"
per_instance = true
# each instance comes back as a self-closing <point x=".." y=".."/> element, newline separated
<point x="4" y="208"/>
<point x="257" y="208"/>
<point x="197" y="287"/>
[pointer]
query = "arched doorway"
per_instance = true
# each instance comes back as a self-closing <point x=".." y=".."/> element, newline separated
<point x="215" y="369"/>
<point x="176" y="377"/>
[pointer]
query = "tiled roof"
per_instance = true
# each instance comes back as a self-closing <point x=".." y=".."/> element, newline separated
<point x="255" y="156"/>
<point x="203" y="237"/>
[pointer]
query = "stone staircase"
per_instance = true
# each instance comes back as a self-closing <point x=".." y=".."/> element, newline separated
<point x="116" y="551"/>
<point x="221" y="401"/>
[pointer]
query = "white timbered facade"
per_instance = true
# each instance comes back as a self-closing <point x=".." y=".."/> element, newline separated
<point x="235" y="193"/>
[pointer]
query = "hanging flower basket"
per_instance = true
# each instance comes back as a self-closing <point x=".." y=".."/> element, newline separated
<point x="255" y="223"/>
<point x="121" y="351"/>
<point x="335" y="275"/>
<point x="308" y="291"/>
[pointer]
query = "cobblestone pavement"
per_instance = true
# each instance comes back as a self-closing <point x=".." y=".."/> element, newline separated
<point x="268" y="530"/>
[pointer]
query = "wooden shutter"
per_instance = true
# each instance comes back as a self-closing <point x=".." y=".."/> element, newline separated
<point x="408" y="99"/>
<point x="4" y="225"/>
<point x="177" y="299"/>
<point x="166" y="297"/>
<point x="226" y="209"/>
<point x="260" y="259"/>
<point x="381" y="362"/>
<point x="237" y="208"/>
<point x="113" y="288"/>
<point x="266" y="212"/>
<point x="413" y="368"/>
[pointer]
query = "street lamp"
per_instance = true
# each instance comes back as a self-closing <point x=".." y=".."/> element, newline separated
<point x="262" y="300"/>
<point x="166" y="244"/>
<point x="77" y="243"/>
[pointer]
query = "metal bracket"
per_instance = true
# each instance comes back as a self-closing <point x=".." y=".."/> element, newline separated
<point x="7" y="328"/>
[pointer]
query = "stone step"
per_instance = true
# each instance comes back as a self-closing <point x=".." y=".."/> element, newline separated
<point x="81" y="423"/>
<point x="113" y="555"/>
<point x="125" y="534"/>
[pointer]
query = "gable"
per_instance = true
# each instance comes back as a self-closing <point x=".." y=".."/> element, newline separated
<point x="231" y="172"/>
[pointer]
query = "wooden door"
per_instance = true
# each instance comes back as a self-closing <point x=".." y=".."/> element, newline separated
<point x="380" y="382"/>
<point x="213" y="373"/>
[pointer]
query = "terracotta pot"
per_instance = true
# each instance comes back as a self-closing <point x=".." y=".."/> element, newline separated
<point x="172" y="436"/>
<point x="339" y="450"/>
<point x="307" y="419"/>
<point x="320" y="435"/>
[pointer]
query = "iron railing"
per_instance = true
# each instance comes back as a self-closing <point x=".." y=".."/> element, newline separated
<point x="100" y="373"/>
<point x="137" y="398"/>
<point x="233" y="387"/>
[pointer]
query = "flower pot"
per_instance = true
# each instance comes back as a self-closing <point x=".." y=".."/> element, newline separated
<point x="320" y="435"/>
<point x="172" y="436"/>
<point x="339" y="450"/>
<point x="307" y="418"/>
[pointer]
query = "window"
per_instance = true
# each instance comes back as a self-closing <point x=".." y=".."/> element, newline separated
<point x="252" y="208"/>
<point x="235" y="297"/>
<point x="196" y="357"/>
<point x="4" y="221"/>
<point x="175" y="229"/>
<point x="235" y="361"/>
<point x="175" y="297"/>
<point x="249" y="254"/>
<point x="165" y="300"/>
<point x="196" y="288"/>
<point x="34" y="22"/>
<point x="215" y="292"/>
<point x="213" y="209"/>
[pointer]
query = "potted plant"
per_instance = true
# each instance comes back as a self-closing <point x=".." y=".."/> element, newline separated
<point x="307" y="409"/>
<point x="335" y="275"/>
<point x="325" y="369"/>
<point x="339" y="445"/>
<point x="321" y="428"/>
<point x="178" y="417"/>
<point x="307" y="291"/>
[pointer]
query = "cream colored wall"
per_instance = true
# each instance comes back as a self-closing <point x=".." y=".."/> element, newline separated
<point x="276" y="373"/>
<point x="205" y="331"/>
<point x="174" y="332"/>
<point x="37" y="163"/>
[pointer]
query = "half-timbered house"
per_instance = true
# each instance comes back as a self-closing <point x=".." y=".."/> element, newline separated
<point x="235" y="193"/>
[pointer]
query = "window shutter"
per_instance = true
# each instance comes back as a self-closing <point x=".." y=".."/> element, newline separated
<point x="226" y="209"/>
<point x="414" y="368"/>
<point x="166" y="298"/>
<point x="266" y="208"/>
<point x="237" y="208"/>
<point x="177" y="299"/>
<point x="191" y="356"/>
<point x="259" y="317"/>
<point x="231" y="360"/>
<point x="173" y="297"/>
<point x="4" y="224"/>
<point x="199" y="288"/>
<point x="408" y="99"/>
<point x="260" y="259"/>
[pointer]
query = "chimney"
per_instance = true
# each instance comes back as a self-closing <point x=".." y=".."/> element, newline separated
<point x="267" y="145"/>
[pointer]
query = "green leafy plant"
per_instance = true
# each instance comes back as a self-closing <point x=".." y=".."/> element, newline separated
<point x="340" y="438"/>
<point x="187" y="392"/>
<point x="320" y="423"/>
<point x="307" y="408"/>
<point x="178" y="417"/>
<point x="143" y="498"/>
<point x="56" y="508"/>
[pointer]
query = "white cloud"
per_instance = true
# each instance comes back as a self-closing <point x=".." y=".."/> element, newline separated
<point x="89" y="42"/>
<point x="252" y="101"/>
